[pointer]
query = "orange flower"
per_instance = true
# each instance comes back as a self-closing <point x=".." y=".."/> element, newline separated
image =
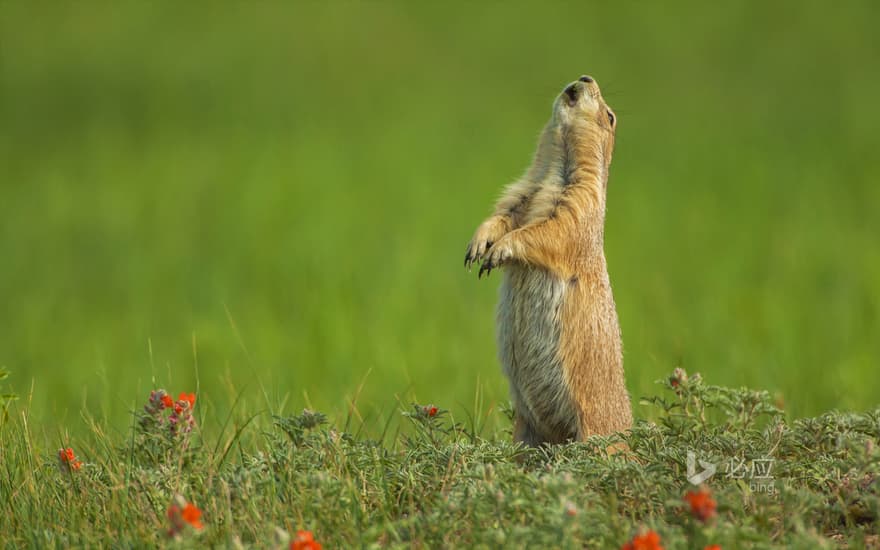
<point x="304" y="541"/>
<point x="191" y="515"/>
<point x="648" y="540"/>
<point x="191" y="397"/>
<point x="67" y="460"/>
<point x="185" y="400"/>
<point x="713" y="547"/>
<point x="181" y="513"/>
<point x="167" y="401"/>
<point x="701" y="502"/>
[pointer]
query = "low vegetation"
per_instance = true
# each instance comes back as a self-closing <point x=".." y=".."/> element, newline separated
<point x="300" y="482"/>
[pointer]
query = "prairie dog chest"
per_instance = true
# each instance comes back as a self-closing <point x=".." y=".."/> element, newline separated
<point x="529" y="317"/>
<point x="530" y="305"/>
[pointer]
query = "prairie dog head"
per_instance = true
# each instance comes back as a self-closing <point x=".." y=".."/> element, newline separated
<point x="584" y="118"/>
<point x="581" y="102"/>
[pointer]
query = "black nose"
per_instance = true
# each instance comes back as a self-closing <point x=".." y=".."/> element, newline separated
<point x="586" y="78"/>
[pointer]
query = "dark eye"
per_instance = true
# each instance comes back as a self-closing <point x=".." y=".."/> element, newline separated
<point x="611" y="118"/>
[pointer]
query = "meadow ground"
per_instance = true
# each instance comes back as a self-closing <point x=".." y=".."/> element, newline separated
<point x="719" y="468"/>
<point x="268" y="205"/>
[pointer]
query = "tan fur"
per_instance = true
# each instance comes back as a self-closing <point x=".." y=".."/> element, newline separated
<point x="558" y="332"/>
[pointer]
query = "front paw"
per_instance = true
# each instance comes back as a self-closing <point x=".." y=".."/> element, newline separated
<point x="499" y="254"/>
<point x="486" y="235"/>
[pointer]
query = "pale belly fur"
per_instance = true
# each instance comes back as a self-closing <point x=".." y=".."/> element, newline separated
<point x="529" y="324"/>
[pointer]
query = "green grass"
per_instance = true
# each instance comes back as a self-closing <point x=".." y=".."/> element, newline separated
<point x="268" y="204"/>
<point x="283" y="194"/>
<point x="443" y="482"/>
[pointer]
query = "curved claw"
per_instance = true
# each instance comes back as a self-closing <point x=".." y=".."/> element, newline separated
<point x="476" y="251"/>
<point x="487" y="267"/>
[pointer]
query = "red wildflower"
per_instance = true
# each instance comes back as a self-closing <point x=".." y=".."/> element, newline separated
<point x="430" y="410"/>
<point x="184" y="402"/>
<point x="305" y="541"/>
<point x="181" y="513"/>
<point x="713" y="547"/>
<point x="648" y="540"/>
<point x="181" y="420"/>
<point x="190" y="397"/>
<point x="167" y="401"/>
<point x="192" y="515"/>
<point x="67" y="460"/>
<point x="701" y="502"/>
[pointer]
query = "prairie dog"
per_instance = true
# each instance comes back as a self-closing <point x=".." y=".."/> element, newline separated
<point x="557" y="328"/>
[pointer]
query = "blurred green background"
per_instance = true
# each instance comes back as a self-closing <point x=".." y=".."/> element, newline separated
<point x="288" y="189"/>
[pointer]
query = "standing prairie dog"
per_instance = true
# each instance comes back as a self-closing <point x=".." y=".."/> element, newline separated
<point x="558" y="333"/>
